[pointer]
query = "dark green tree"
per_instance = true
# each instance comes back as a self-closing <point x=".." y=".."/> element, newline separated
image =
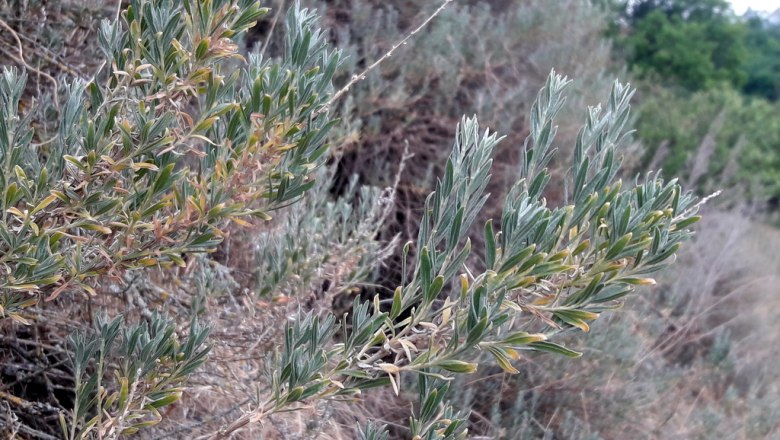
<point x="762" y="64"/>
<point x="695" y="43"/>
<point x="692" y="10"/>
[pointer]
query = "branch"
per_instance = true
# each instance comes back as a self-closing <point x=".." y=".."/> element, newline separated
<point x="20" y="59"/>
<point x="357" y="78"/>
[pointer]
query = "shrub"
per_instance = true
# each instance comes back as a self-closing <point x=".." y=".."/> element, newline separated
<point x="695" y="44"/>
<point x="484" y="58"/>
<point x="549" y="270"/>
<point x="147" y="363"/>
<point x="167" y="144"/>
<point x="325" y="242"/>
<point x="686" y="360"/>
<point x="177" y="136"/>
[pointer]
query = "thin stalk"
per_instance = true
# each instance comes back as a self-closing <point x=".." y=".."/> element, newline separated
<point x="362" y="75"/>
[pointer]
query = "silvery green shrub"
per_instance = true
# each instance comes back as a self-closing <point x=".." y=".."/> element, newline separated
<point x="177" y="135"/>
<point x="548" y="270"/>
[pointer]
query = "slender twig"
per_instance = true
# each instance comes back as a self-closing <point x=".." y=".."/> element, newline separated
<point x="20" y="59"/>
<point x="50" y="56"/>
<point x="362" y="75"/>
<point x="698" y="205"/>
<point x="118" y="10"/>
<point x="273" y="26"/>
<point x="392" y="191"/>
<point x="22" y="378"/>
<point x="24" y="429"/>
<point x="247" y="419"/>
<point x="119" y="421"/>
<point x="32" y="343"/>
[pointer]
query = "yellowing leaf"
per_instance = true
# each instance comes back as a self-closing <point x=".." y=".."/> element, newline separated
<point x="89" y="289"/>
<point x="389" y="368"/>
<point x="44" y="203"/>
<point x="147" y="262"/>
<point x="639" y="281"/>
<point x="241" y="221"/>
<point x="27" y="287"/>
<point x="98" y="228"/>
<point x="502" y="359"/>
<point x="16" y="212"/>
<point x="458" y="366"/>
<point x="18" y="318"/>
<point x="144" y="165"/>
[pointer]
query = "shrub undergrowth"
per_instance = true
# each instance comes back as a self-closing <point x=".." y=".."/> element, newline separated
<point x="180" y="146"/>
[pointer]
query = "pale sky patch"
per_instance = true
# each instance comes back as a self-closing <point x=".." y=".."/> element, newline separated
<point x="740" y="6"/>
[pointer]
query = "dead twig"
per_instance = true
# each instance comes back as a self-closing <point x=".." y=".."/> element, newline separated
<point x="362" y="75"/>
<point x="273" y="26"/>
<point x="20" y="59"/>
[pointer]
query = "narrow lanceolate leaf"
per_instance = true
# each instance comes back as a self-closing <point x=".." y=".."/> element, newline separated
<point x="434" y="289"/>
<point x="523" y="338"/>
<point x="581" y="248"/>
<point x="458" y="366"/>
<point x="454" y="235"/>
<point x="99" y="228"/>
<point x="295" y="394"/>
<point x="618" y="246"/>
<point x="164" y="401"/>
<point x="517" y="258"/>
<point x="28" y="287"/>
<point x="395" y="309"/>
<point x="637" y="281"/>
<point x="164" y="179"/>
<point x="576" y="318"/>
<point x="123" y="391"/>
<point x="503" y="359"/>
<point x="426" y="266"/>
<point x="687" y="222"/>
<point x="44" y="203"/>
<point x="551" y="347"/>
<point x="490" y="245"/>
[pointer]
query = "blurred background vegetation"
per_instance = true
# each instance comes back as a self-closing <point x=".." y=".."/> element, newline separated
<point x="694" y="357"/>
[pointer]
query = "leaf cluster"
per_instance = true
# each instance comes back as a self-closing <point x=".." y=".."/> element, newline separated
<point x="124" y="375"/>
<point x="176" y="137"/>
<point x="548" y="270"/>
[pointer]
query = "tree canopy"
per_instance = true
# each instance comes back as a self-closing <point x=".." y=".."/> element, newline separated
<point x="700" y="44"/>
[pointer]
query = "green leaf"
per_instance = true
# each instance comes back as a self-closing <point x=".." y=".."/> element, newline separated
<point x="10" y="197"/>
<point x="551" y="347"/>
<point x="373" y="383"/>
<point x="456" y="366"/>
<point x="395" y="309"/>
<point x="425" y="267"/>
<point x="517" y="258"/>
<point x="687" y="222"/>
<point x="454" y="235"/>
<point x="490" y="245"/>
<point x="502" y="359"/>
<point x="98" y="228"/>
<point x="576" y="318"/>
<point x="434" y="289"/>
<point x="163" y="180"/>
<point x="164" y="401"/>
<point x="616" y="248"/>
<point x="523" y="338"/>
